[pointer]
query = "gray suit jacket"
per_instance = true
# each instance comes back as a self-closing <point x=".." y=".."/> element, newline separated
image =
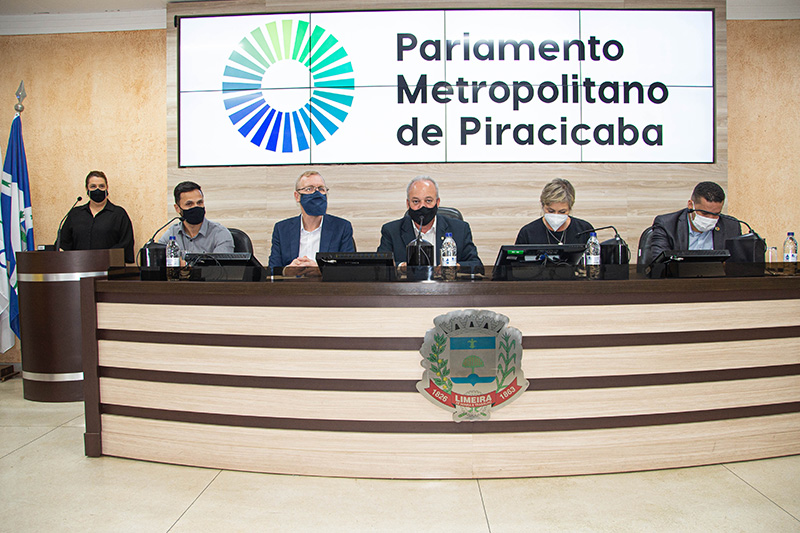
<point x="671" y="232"/>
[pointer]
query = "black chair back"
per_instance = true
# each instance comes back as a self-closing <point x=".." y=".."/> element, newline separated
<point x="644" y="257"/>
<point x="241" y="241"/>
<point x="451" y="212"/>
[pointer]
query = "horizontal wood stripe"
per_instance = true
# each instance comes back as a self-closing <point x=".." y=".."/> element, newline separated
<point x="462" y="455"/>
<point x="405" y="364"/>
<point x="400" y="294"/>
<point x="410" y="322"/>
<point x="423" y="426"/>
<point x="516" y="294"/>
<point x="409" y="385"/>
<point x="264" y="362"/>
<point x="656" y="359"/>
<point x="541" y="342"/>
<point x="263" y="382"/>
<point x="412" y="406"/>
<point x="658" y="339"/>
<point x="264" y="341"/>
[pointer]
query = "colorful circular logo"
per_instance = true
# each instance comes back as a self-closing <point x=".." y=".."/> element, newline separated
<point x="288" y="84"/>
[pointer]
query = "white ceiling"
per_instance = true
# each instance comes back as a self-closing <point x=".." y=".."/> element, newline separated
<point x="28" y="17"/>
<point x="36" y="7"/>
<point x="736" y="9"/>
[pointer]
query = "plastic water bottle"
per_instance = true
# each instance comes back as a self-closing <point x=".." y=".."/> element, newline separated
<point x="593" y="257"/>
<point x="449" y="258"/>
<point x="173" y="260"/>
<point x="790" y="248"/>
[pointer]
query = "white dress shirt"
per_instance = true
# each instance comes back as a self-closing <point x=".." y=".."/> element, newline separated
<point x="309" y="241"/>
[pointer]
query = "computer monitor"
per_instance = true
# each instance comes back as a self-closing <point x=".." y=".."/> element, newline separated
<point x="689" y="264"/>
<point x="356" y="266"/>
<point x="537" y="261"/>
<point x="235" y="266"/>
<point x="692" y="256"/>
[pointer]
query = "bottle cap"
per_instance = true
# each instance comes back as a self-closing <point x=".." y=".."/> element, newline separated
<point x="448" y="234"/>
<point x="790" y="234"/>
<point x="172" y="237"/>
<point x="593" y="234"/>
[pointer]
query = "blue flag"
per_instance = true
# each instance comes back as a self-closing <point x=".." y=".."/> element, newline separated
<point x="15" y="217"/>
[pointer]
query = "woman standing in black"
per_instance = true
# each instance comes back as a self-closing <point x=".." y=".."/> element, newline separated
<point x="98" y="224"/>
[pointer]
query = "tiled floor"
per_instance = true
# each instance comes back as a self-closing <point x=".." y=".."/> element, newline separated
<point x="47" y="485"/>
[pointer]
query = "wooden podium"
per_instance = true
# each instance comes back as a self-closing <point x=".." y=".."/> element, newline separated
<point x="624" y="375"/>
<point x="50" y="319"/>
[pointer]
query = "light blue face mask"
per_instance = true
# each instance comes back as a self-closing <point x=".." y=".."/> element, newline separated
<point x="314" y="204"/>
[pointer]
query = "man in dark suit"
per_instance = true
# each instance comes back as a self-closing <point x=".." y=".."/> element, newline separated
<point x="423" y="202"/>
<point x="697" y="227"/>
<point x="296" y="240"/>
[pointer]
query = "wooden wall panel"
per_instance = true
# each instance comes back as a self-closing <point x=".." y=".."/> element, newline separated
<point x="765" y="125"/>
<point x="497" y="199"/>
<point x="95" y="102"/>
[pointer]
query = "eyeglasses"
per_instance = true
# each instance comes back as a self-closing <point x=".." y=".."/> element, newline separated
<point x="709" y="213"/>
<point x="310" y="189"/>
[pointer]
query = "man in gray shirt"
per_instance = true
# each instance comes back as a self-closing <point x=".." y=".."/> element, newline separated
<point x="195" y="233"/>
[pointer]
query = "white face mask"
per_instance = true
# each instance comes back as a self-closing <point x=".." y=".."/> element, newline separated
<point x="555" y="220"/>
<point x="703" y="224"/>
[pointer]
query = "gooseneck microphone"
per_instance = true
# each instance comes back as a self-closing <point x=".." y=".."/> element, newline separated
<point x="747" y="248"/>
<point x="153" y="254"/>
<point x="616" y="250"/>
<point x="170" y="221"/>
<point x="616" y="233"/>
<point x="419" y="245"/>
<point x="729" y="217"/>
<point x="726" y="217"/>
<point x="61" y="224"/>
<point x="418" y="240"/>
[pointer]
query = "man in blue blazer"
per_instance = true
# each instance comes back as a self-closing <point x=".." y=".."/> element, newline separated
<point x="296" y="240"/>
<point x="423" y="200"/>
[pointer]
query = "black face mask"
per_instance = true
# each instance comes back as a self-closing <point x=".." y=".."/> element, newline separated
<point x="194" y="215"/>
<point x="424" y="215"/>
<point x="98" y="195"/>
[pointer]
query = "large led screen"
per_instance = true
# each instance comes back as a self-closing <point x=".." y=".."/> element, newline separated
<point x="447" y="86"/>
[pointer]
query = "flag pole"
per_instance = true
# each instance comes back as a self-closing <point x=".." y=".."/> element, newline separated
<point x="7" y="340"/>
<point x="17" y="222"/>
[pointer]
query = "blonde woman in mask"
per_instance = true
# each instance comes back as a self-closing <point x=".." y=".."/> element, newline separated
<point x="556" y="226"/>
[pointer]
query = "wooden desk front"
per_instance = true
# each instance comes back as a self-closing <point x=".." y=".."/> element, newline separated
<point x="319" y="378"/>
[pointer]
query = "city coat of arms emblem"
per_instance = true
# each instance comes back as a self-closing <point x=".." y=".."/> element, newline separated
<point x="473" y="363"/>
